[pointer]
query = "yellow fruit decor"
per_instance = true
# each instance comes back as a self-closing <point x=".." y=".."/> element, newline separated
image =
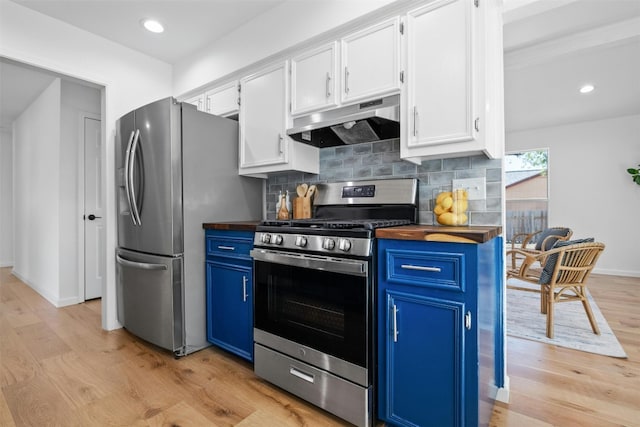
<point x="451" y="207"/>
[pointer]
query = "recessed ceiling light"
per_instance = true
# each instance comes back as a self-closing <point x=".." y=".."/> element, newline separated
<point x="587" y="88"/>
<point x="152" y="25"/>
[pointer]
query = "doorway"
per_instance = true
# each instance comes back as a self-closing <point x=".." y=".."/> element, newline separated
<point x="62" y="111"/>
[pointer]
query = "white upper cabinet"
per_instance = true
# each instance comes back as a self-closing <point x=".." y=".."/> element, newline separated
<point x="223" y="100"/>
<point x="264" y="145"/>
<point x="445" y="90"/>
<point x="370" y="61"/>
<point x="313" y="79"/>
<point x="198" y="101"/>
<point x="440" y="68"/>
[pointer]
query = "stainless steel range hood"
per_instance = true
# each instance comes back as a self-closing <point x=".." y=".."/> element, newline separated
<point x="369" y="121"/>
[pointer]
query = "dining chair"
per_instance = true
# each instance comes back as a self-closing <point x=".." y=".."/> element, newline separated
<point x="563" y="278"/>
<point x="544" y="240"/>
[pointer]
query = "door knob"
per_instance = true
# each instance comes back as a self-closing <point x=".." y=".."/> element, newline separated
<point x="92" y="217"/>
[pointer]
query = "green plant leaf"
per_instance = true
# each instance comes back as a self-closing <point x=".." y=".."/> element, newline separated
<point x="636" y="179"/>
<point x="632" y="171"/>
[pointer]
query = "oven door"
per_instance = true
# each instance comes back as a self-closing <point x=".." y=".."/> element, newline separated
<point x="320" y="302"/>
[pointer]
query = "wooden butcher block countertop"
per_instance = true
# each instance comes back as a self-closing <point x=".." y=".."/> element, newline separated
<point x="236" y="226"/>
<point x="434" y="233"/>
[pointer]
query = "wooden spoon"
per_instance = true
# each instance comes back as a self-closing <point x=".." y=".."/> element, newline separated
<point x="311" y="191"/>
<point x="302" y="190"/>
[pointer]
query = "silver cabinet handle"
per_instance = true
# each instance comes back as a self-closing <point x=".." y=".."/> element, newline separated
<point x="467" y="320"/>
<point x="140" y="265"/>
<point x="281" y="143"/>
<point x="421" y="268"/>
<point x="208" y="107"/>
<point x="346" y="80"/>
<point x="395" y="323"/>
<point x="328" y="84"/>
<point x="244" y="289"/>
<point x="415" y="120"/>
<point x="302" y="375"/>
<point x="226" y="248"/>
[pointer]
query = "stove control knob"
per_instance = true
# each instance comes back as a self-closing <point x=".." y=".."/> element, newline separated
<point x="344" y="245"/>
<point x="277" y="239"/>
<point x="328" y="244"/>
<point x="301" y="241"/>
<point x="266" y="238"/>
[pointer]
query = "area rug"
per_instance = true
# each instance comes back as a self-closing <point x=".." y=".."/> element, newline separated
<point x="571" y="325"/>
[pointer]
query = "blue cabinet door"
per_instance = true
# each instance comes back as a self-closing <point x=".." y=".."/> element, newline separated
<point x="424" y="368"/>
<point x="230" y="307"/>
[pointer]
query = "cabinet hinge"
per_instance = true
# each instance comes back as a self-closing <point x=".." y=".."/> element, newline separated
<point x="239" y="90"/>
<point x="402" y="27"/>
<point x="401" y="76"/>
<point x="476" y="3"/>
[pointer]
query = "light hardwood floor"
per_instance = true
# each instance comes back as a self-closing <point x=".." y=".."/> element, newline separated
<point x="58" y="367"/>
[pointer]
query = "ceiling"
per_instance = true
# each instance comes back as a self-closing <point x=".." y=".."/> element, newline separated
<point x="552" y="47"/>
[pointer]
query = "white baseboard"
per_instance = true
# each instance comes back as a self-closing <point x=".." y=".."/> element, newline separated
<point x="503" y="393"/>
<point x="4" y="264"/>
<point x="51" y="298"/>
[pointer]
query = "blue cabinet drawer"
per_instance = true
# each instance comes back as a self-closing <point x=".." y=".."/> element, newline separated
<point x="443" y="270"/>
<point x="229" y="244"/>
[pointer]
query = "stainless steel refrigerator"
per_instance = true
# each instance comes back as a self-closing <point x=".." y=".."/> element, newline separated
<point x="176" y="169"/>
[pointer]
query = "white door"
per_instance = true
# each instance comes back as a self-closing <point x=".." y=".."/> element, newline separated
<point x="94" y="232"/>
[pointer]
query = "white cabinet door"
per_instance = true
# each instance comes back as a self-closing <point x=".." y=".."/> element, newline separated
<point x="440" y="77"/>
<point x="198" y="101"/>
<point x="224" y="100"/>
<point x="313" y="79"/>
<point x="371" y="61"/>
<point x="262" y="117"/>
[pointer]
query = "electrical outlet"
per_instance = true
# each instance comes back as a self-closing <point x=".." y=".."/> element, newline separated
<point x="476" y="187"/>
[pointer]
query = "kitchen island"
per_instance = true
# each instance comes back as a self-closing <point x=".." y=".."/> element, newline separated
<point x="440" y="328"/>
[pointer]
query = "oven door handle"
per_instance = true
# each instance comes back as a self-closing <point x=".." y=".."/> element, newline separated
<point x="345" y="266"/>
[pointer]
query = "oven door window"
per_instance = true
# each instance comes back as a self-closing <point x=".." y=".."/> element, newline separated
<point x="317" y="308"/>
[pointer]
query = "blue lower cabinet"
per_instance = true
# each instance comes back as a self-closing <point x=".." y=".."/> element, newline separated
<point x="229" y="275"/>
<point x="435" y="300"/>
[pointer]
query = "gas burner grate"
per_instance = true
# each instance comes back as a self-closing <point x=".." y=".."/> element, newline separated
<point x="337" y="224"/>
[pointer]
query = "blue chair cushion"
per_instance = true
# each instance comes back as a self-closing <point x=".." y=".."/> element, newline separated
<point x="550" y="264"/>
<point x="560" y="232"/>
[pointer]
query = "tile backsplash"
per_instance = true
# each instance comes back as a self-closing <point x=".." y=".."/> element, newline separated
<point x="381" y="160"/>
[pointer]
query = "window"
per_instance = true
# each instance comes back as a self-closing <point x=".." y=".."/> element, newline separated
<point x="527" y="192"/>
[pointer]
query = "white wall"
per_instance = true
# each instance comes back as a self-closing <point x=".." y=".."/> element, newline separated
<point x="75" y="101"/>
<point x="6" y="198"/>
<point x="130" y="80"/>
<point x="278" y="29"/>
<point x="36" y="182"/>
<point x="590" y="190"/>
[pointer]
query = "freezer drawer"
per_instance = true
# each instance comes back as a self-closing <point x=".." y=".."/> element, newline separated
<point x="149" y="297"/>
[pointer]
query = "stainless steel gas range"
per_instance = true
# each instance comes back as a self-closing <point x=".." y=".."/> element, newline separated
<point x="314" y="295"/>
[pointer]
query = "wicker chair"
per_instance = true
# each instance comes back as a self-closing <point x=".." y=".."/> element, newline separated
<point x="545" y="239"/>
<point x="564" y="277"/>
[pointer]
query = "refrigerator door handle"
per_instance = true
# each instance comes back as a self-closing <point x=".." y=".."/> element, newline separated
<point x="140" y="265"/>
<point x="127" y="159"/>
<point x="132" y="160"/>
